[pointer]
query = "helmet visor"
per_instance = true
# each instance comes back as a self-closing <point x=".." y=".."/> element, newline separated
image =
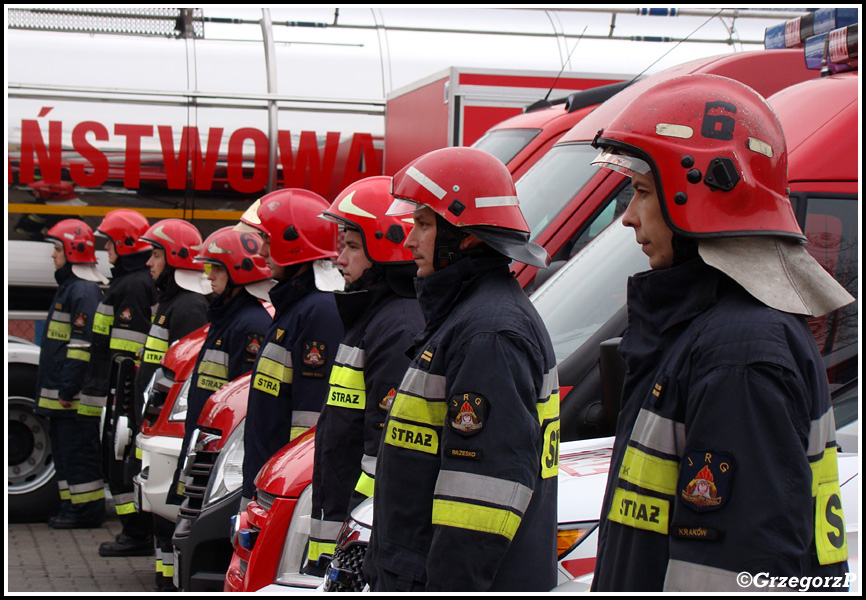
<point x="623" y="163"/>
<point x="401" y="207"/>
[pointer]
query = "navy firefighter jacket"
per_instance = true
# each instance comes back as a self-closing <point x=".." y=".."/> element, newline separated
<point x="290" y="375"/>
<point x="466" y="480"/>
<point x="725" y="454"/>
<point x="65" y="347"/>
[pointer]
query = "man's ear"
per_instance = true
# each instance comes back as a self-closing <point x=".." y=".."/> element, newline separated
<point x="470" y="240"/>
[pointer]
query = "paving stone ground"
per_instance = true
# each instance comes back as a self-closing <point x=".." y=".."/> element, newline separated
<point x="42" y="559"/>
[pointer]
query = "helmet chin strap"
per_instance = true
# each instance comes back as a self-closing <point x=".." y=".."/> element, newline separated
<point x="447" y="250"/>
<point x="368" y="277"/>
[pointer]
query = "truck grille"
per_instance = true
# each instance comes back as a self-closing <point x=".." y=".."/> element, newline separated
<point x="202" y="465"/>
<point x="265" y="500"/>
<point x="346" y="571"/>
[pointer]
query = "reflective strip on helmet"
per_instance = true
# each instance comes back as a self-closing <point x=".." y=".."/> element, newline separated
<point x="474" y="517"/>
<point x="425" y="182"/>
<point x="496" y="201"/>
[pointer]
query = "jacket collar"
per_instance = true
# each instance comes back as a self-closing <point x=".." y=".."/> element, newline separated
<point x="220" y="312"/>
<point x="289" y="291"/>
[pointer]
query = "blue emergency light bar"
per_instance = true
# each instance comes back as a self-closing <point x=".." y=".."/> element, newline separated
<point x="794" y="33"/>
<point x="834" y="51"/>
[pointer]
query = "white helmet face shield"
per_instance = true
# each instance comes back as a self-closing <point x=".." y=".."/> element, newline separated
<point x="401" y="207"/>
<point x="622" y="163"/>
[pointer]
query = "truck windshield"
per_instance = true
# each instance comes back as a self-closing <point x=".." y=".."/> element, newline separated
<point x="504" y="144"/>
<point x="589" y="289"/>
<point x="552" y="183"/>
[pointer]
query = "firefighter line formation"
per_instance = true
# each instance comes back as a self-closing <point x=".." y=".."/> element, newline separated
<point x="432" y="381"/>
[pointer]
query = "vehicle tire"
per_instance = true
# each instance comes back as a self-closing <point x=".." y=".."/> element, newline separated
<point x="32" y="493"/>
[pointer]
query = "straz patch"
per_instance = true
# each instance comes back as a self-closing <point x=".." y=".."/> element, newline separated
<point x="467" y="413"/>
<point x="705" y="479"/>
<point x="80" y="320"/>
<point x="254" y="343"/>
<point x="125" y="315"/>
<point x="314" y="354"/>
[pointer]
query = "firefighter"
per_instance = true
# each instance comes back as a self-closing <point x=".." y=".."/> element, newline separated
<point x="183" y="293"/>
<point x="290" y="377"/>
<point x="725" y="459"/>
<point x="465" y="489"/>
<point x="240" y="280"/>
<point x="63" y="358"/>
<point x="120" y="328"/>
<point x="381" y="317"/>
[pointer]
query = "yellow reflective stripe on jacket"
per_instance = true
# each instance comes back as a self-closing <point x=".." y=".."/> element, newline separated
<point x="347" y="377"/>
<point x="640" y="511"/>
<point x="830" y="538"/>
<point x="126" y="340"/>
<point x="319" y="548"/>
<point x="77" y="354"/>
<point x="103" y="319"/>
<point x="91" y="406"/>
<point x="58" y="328"/>
<point x="649" y="472"/>
<point x="86" y="492"/>
<point x="274" y="370"/>
<point x="365" y="485"/>
<point x="486" y="519"/>
<point x="55" y="404"/>
<point x="419" y="410"/>
<point x="548" y="408"/>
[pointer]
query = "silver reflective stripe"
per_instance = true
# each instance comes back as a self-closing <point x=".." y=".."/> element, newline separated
<point x="424" y="385"/>
<point x="62" y="317"/>
<point x="658" y="433"/>
<point x="63" y="486"/>
<point x="690" y="577"/>
<point x="325" y="530"/>
<point x="427" y="183"/>
<point x="549" y="384"/>
<point x="123" y="498"/>
<point x="457" y="484"/>
<point x="96" y="401"/>
<point x="159" y="332"/>
<point x="821" y="432"/>
<point x="105" y="309"/>
<point x="216" y="356"/>
<point x="129" y="335"/>
<point x="350" y="356"/>
<point x="83" y="488"/>
<point x="304" y="418"/>
<point x="277" y="353"/>
<point x="368" y="464"/>
<point x="50" y="394"/>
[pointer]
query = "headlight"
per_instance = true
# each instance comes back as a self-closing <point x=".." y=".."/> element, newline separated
<point x="155" y="394"/>
<point x="295" y="545"/>
<point x="570" y="535"/>
<point x="178" y="411"/>
<point x="227" y="474"/>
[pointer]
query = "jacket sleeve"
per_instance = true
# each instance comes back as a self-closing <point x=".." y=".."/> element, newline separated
<point x="490" y="460"/>
<point x="191" y="314"/>
<point x="745" y="484"/>
<point x="82" y="308"/>
<point x="385" y="366"/>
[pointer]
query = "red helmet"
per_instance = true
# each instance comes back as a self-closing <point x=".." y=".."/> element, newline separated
<point x="125" y="227"/>
<point x="290" y="218"/>
<point x="472" y="189"/>
<point x="237" y="252"/>
<point x="179" y="239"/>
<point x="717" y="152"/>
<point x="77" y="240"/>
<point x="362" y="207"/>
